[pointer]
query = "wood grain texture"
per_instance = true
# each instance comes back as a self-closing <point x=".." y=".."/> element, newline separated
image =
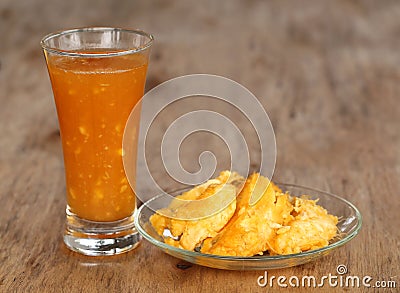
<point x="328" y="74"/>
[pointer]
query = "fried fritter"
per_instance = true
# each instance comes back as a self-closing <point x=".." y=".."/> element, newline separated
<point x="190" y="233"/>
<point x="252" y="227"/>
<point x="256" y="218"/>
<point x="311" y="228"/>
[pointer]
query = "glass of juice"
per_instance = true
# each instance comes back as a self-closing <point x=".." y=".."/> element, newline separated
<point x="98" y="76"/>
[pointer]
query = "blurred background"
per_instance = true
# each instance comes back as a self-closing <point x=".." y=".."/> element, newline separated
<point x="324" y="71"/>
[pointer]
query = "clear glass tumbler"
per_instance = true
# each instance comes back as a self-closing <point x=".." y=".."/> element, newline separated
<point x="98" y="76"/>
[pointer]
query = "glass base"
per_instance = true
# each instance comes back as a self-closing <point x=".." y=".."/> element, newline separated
<point x="100" y="238"/>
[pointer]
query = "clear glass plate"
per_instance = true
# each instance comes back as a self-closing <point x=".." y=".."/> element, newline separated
<point x="349" y="225"/>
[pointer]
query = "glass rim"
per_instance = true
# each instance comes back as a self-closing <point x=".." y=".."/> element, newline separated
<point x="58" y="51"/>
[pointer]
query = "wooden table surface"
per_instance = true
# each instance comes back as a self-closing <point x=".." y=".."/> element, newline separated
<point x="328" y="73"/>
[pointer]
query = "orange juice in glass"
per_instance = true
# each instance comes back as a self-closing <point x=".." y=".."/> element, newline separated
<point x="98" y="77"/>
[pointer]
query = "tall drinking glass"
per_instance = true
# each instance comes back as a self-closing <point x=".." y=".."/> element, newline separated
<point x="98" y="76"/>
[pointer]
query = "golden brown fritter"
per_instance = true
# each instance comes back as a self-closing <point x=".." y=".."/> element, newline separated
<point x="255" y="218"/>
<point x="159" y="220"/>
<point x="253" y="227"/>
<point x="311" y="228"/>
<point x="190" y="233"/>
